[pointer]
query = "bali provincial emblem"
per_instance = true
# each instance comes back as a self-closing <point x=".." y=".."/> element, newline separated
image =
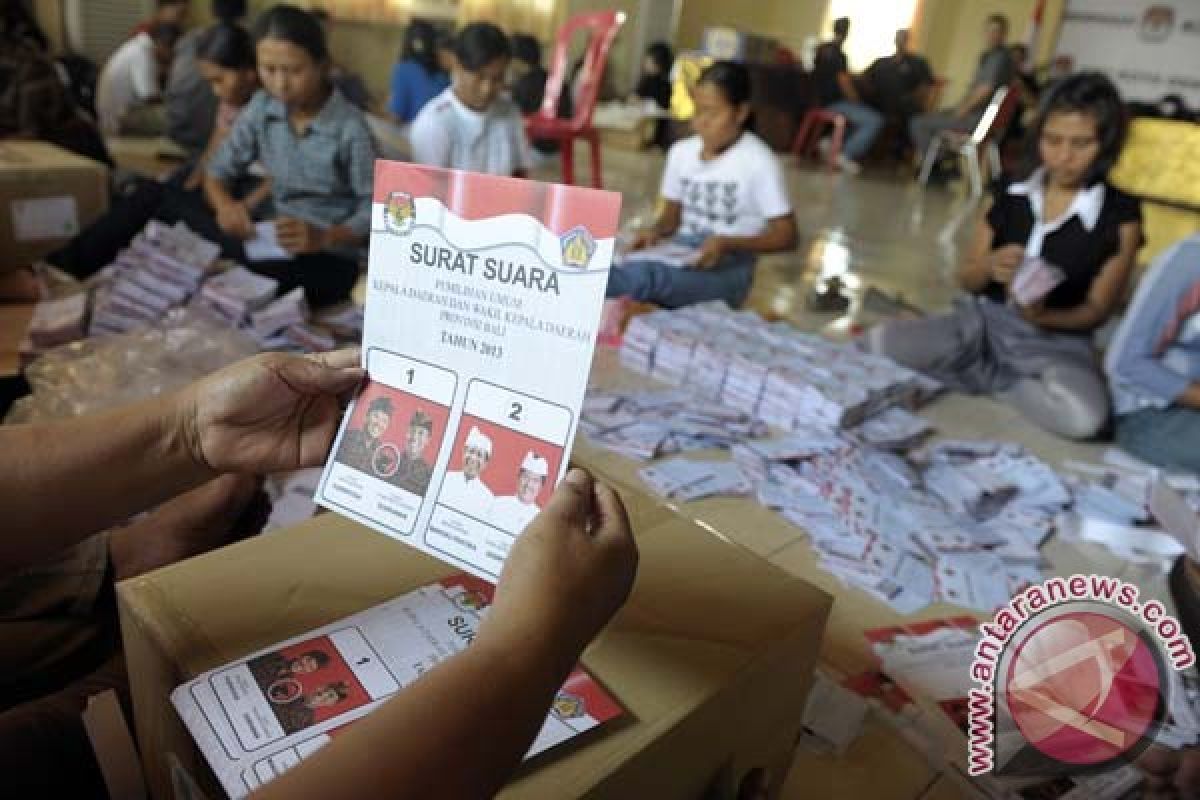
<point x="578" y="247"/>
<point x="568" y="706"/>
<point x="400" y="213"/>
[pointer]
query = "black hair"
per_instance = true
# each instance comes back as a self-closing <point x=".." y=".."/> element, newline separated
<point x="320" y="656"/>
<point x="480" y="44"/>
<point x="228" y="10"/>
<point x="226" y="45"/>
<point x="998" y="19"/>
<point x="1093" y="94"/>
<point x="733" y="80"/>
<point x="295" y="26"/>
<point x="322" y="15"/>
<point x="165" y="33"/>
<point x="383" y="404"/>
<point x="17" y="21"/>
<point x="165" y="3"/>
<point x="662" y="56"/>
<point x="420" y="45"/>
<point x="526" y="49"/>
<point x="841" y="26"/>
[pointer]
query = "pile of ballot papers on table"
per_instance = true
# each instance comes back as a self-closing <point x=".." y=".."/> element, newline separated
<point x="956" y="521"/>
<point x="169" y="267"/>
<point x="768" y="371"/>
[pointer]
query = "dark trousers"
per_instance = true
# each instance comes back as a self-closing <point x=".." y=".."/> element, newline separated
<point x="325" y="277"/>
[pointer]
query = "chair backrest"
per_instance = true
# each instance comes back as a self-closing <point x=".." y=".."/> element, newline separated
<point x="998" y="114"/>
<point x="602" y="28"/>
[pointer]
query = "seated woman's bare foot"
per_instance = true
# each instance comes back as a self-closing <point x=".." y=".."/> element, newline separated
<point x="20" y="286"/>
<point x="188" y="525"/>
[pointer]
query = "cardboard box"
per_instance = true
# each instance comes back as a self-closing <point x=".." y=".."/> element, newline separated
<point x="712" y="657"/>
<point x="47" y="195"/>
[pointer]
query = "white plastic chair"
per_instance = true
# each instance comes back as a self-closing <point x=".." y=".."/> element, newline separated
<point x="969" y="146"/>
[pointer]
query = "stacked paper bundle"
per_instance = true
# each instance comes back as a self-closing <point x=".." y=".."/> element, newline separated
<point x="58" y="321"/>
<point x="268" y="323"/>
<point x="786" y="378"/>
<point x="643" y="425"/>
<point x="236" y="293"/>
<point x="309" y="338"/>
<point x="161" y="269"/>
<point x="685" y="480"/>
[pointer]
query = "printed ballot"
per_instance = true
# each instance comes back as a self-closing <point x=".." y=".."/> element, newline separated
<point x="258" y="717"/>
<point x="483" y="304"/>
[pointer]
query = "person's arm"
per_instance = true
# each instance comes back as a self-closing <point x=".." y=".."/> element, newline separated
<point x="218" y="136"/>
<point x="1106" y="292"/>
<point x="846" y="84"/>
<point x="665" y="225"/>
<point x="982" y="264"/>
<point x="778" y="236"/>
<point x="979" y="96"/>
<point x="462" y="729"/>
<point x="1135" y="356"/>
<point x="232" y="158"/>
<point x="145" y="77"/>
<point x="300" y="236"/>
<point x="61" y="482"/>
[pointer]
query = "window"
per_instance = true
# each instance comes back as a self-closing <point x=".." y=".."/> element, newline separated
<point x="873" y="27"/>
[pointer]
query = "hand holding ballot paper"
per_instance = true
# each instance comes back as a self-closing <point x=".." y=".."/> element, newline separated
<point x="454" y="445"/>
<point x="1034" y="279"/>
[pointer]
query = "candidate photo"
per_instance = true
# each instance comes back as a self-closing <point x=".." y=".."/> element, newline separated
<point x="464" y="489"/>
<point x="394" y="436"/>
<point x="360" y="445"/>
<point x="513" y="512"/>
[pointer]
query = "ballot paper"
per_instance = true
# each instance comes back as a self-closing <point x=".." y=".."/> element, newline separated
<point x="482" y="305"/>
<point x="931" y="659"/>
<point x="258" y="717"/>
<point x="58" y="321"/>
<point x="671" y="253"/>
<point x="1177" y="517"/>
<point x="1034" y="279"/>
<point x="684" y="480"/>
<point x="265" y="244"/>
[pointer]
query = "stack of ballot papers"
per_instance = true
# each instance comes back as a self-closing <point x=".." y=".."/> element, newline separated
<point x="288" y="310"/>
<point x="58" y="321"/>
<point x="161" y="269"/>
<point x="770" y="371"/>
<point x="258" y="717"/>
<point x="684" y="479"/>
<point x="236" y="293"/>
<point x="646" y="424"/>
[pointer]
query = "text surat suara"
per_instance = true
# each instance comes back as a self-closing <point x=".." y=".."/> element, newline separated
<point x="491" y="268"/>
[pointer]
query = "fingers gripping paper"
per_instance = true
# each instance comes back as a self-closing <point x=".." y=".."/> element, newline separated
<point x="483" y="302"/>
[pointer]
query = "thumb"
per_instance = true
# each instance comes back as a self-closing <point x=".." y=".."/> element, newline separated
<point x="313" y="377"/>
<point x="572" y="500"/>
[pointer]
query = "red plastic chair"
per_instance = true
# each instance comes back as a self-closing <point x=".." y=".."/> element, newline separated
<point x="602" y="28"/>
<point x="812" y="125"/>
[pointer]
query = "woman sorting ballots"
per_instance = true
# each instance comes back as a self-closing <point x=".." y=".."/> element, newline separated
<point x="459" y="731"/>
<point x="1050" y="261"/>
<point x="225" y="57"/>
<point x="724" y="194"/>
<point x="472" y="125"/>
<point x="317" y="151"/>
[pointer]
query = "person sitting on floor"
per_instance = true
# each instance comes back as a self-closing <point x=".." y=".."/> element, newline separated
<point x="318" y="152"/>
<point x="225" y="58"/>
<point x="191" y="107"/>
<point x="565" y="577"/>
<point x="724" y="193"/>
<point x="995" y="69"/>
<point x="419" y="75"/>
<point x="472" y="125"/>
<point x="654" y="84"/>
<point x="130" y="81"/>
<point x="166" y="12"/>
<point x="1065" y="215"/>
<point x="836" y="92"/>
<point x="1153" y="363"/>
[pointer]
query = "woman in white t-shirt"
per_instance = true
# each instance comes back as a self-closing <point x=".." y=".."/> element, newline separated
<point x="472" y="125"/>
<point x="724" y="194"/>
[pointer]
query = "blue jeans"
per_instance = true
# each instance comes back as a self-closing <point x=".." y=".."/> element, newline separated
<point x="865" y="124"/>
<point x="1165" y="437"/>
<point x="668" y="286"/>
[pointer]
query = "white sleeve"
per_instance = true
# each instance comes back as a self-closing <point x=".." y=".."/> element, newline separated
<point x="521" y="143"/>
<point x="769" y="188"/>
<point x="145" y="75"/>
<point x="672" y="180"/>
<point x="430" y="143"/>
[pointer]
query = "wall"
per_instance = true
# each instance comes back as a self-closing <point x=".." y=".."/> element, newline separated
<point x="950" y="35"/>
<point x="789" y="21"/>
